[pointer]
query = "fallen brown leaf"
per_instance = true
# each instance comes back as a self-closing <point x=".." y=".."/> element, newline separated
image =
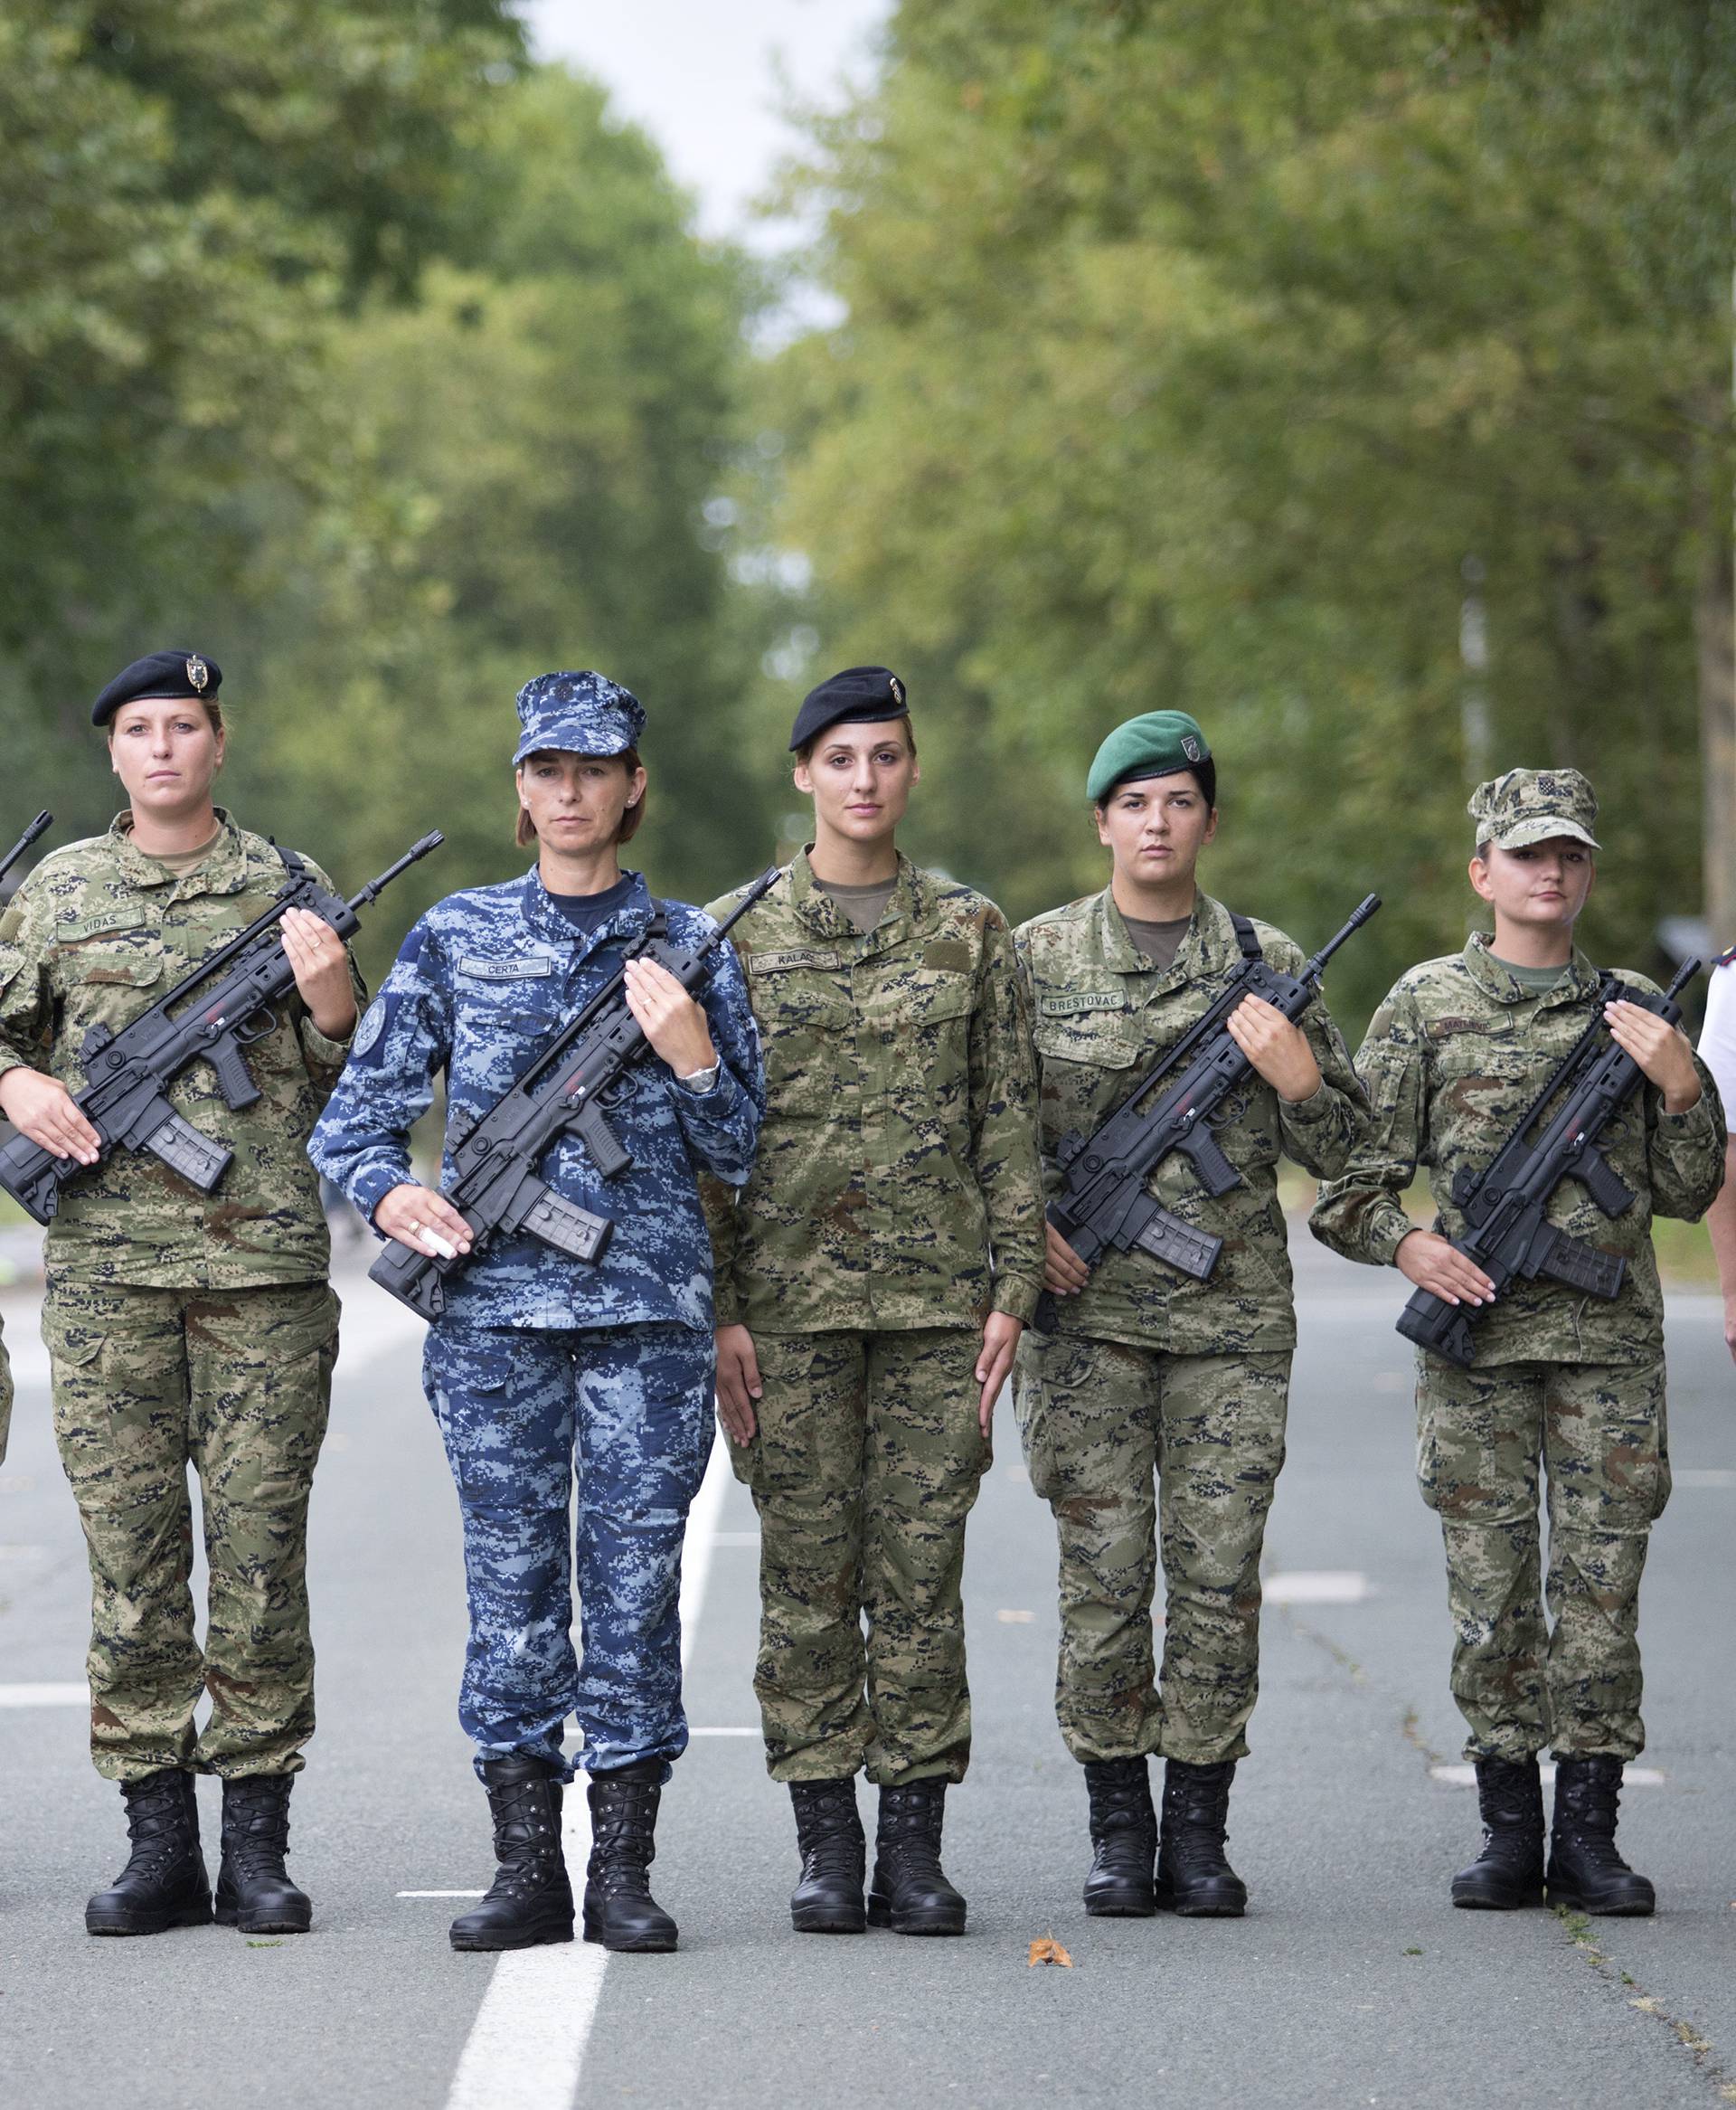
<point x="1049" y="1951"/>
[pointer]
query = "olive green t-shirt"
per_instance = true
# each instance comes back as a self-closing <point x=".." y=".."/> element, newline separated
<point x="1534" y="981"/>
<point x="1160" y="942"/>
<point x="864" y="906"/>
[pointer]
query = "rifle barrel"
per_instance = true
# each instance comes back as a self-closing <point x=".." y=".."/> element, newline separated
<point x="1684" y="974"/>
<point x="37" y="827"/>
<point x="430" y="841"/>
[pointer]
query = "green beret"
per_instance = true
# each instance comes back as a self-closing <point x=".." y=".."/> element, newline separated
<point x="1533" y="806"/>
<point x="1157" y="744"/>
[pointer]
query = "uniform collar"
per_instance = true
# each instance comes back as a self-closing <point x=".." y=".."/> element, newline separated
<point x="629" y="922"/>
<point x="1208" y="944"/>
<point x="226" y="870"/>
<point x="903" y="911"/>
<point x="1492" y="977"/>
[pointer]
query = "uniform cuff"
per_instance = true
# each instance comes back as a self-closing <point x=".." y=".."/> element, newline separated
<point x="1388" y="1228"/>
<point x="1016" y="1297"/>
<point x="323" y="1048"/>
<point x="1311" y="1111"/>
<point x="370" y="1185"/>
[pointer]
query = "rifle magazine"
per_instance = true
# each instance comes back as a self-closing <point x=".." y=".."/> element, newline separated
<point x="195" y="1158"/>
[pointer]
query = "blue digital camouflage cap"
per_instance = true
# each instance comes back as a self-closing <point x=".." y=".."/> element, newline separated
<point x="581" y="714"/>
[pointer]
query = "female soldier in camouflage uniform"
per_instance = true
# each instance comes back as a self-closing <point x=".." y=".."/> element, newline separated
<point x="873" y="1281"/>
<point x="539" y="1364"/>
<point x="1151" y="1372"/>
<point x="183" y="1327"/>
<point x="1454" y="1058"/>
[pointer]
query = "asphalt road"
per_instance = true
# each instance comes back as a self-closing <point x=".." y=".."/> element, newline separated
<point x="1350" y="1982"/>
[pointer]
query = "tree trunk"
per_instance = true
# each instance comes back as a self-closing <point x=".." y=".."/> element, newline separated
<point x="1714" y="613"/>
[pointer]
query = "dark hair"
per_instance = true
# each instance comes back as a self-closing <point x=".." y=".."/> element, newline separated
<point x="1204" y="774"/>
<point x="524" y="835"/>
<point x="807" y="747"/>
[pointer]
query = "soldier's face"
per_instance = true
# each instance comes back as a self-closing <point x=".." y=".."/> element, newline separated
<point x="859" y="777"/>
<point x="1156" y="827"/>
<point x="1542" y="886"/>
<point x="576" y="801"/>
<point x="166" y="754"/>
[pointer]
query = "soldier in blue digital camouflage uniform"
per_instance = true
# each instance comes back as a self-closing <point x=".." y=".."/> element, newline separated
<point x="542" y="1366"/>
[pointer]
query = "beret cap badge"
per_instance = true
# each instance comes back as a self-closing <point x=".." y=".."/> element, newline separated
<point x="198" y="673"/>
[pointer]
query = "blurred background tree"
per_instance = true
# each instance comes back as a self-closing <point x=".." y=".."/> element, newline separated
<point x="1358" y="378"/>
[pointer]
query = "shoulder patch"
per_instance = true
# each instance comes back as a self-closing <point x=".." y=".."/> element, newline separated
<point x="371" y="1026"/>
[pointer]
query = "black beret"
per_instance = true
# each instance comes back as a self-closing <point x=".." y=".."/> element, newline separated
<point x="172" y="674"/>
<point x="860" y="696"/>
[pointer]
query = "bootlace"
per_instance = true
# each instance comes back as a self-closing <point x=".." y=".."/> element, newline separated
<point x="829" y="1832"/>
<point x="910" y="1835"/>
<point x="525" y="1840"/>
<point x="256" y="1832"/>
<point x="157" y="1824"/>
<point x="1194" y="1816"/>
<point x="623" y="1843"/>
<point x="1587" y="1817"/>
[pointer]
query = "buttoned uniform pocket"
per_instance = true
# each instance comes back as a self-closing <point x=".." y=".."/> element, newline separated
<point x="923" y="1020"/>
<point x="1086" y="1059"/>
<point x="502" y="1002"/>
<point x="807" y="1037"/>
<point x="104" y="973"/>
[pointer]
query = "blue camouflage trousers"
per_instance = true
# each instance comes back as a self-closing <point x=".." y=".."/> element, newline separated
<point x="621" y="1417"/>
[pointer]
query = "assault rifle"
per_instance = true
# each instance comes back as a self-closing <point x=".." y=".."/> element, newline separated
<point x="1508" y="1233"/>
<point x="37" y="827"/>
<point x="234" y="997"/>
<point x="1103" y="1203"/>
<point x="570" y="1083"/>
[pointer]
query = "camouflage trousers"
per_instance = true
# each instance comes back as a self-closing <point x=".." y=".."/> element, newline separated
<point x="237" y="1384"/>
<point x="624" y="1415"/>
<point x="1137" y="1452"/>
<point x="864" y="1468"/>
<point x="1599" y="1432"/>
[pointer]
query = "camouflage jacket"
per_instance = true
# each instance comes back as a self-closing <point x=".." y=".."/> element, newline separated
<point x="94" y="936"/>
<point x="1453" y="1058"/>
<point x="484" y="979"/>
<point x="897" y="1182"/>
<point x="1101" y="1016"/>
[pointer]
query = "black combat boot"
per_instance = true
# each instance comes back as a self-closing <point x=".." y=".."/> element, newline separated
<point x="910" y="1893"/>
<point x="834" y="1854"/>
<point x="530" y="1899"/>
<point x="1124" y="1834"/>
<point x="1585" y="1871"/>
<point x="619" y="1909"/>
<point x="1509" y="1872"/>
<point x="1193" y="1878"/>
<point x="254" y="1892"/>
<point x="165" y="1883"/>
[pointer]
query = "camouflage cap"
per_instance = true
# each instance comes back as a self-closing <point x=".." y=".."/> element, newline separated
<point x="1532" y="806"/>
<point x="579" y="713"/>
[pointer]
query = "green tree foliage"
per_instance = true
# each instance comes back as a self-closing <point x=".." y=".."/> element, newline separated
<point x="1220" y="357"/>
<point x="341" y="343"/>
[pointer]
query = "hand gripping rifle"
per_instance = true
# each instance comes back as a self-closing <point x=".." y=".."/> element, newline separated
<point x="1507" y="1233"/>
<point x="1103" y="1203"/>
<point x="37" y="827"/>
<point x="234" y="996"/>
<point x="572" y="1080"/>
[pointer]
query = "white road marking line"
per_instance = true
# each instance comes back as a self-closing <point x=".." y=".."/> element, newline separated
<point x="1703" y="1476"/>
<point x="693" y="1732"/>
<point x="1012" y="1618"/>
<point x="44" y="1695"/>
<point x="442" y="1894"/>
<point x="1317" y="1586"/>
<point x="527" y="2045"/>
<point x="22" y="1552"/>
<point x="1465" y="1777"/>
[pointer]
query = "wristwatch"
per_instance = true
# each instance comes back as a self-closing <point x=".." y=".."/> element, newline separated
<point x="700" y="1081"/>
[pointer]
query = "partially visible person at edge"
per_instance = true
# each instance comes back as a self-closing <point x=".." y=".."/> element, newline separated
<point x="1718" y="1051"/>
<point x="179" y="1326"/>
<point x="543" y="1368"/>
<point x="874" y="1278"/>
<point x="1455" y="1054"/>
<point x="1154" y="1417"/>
